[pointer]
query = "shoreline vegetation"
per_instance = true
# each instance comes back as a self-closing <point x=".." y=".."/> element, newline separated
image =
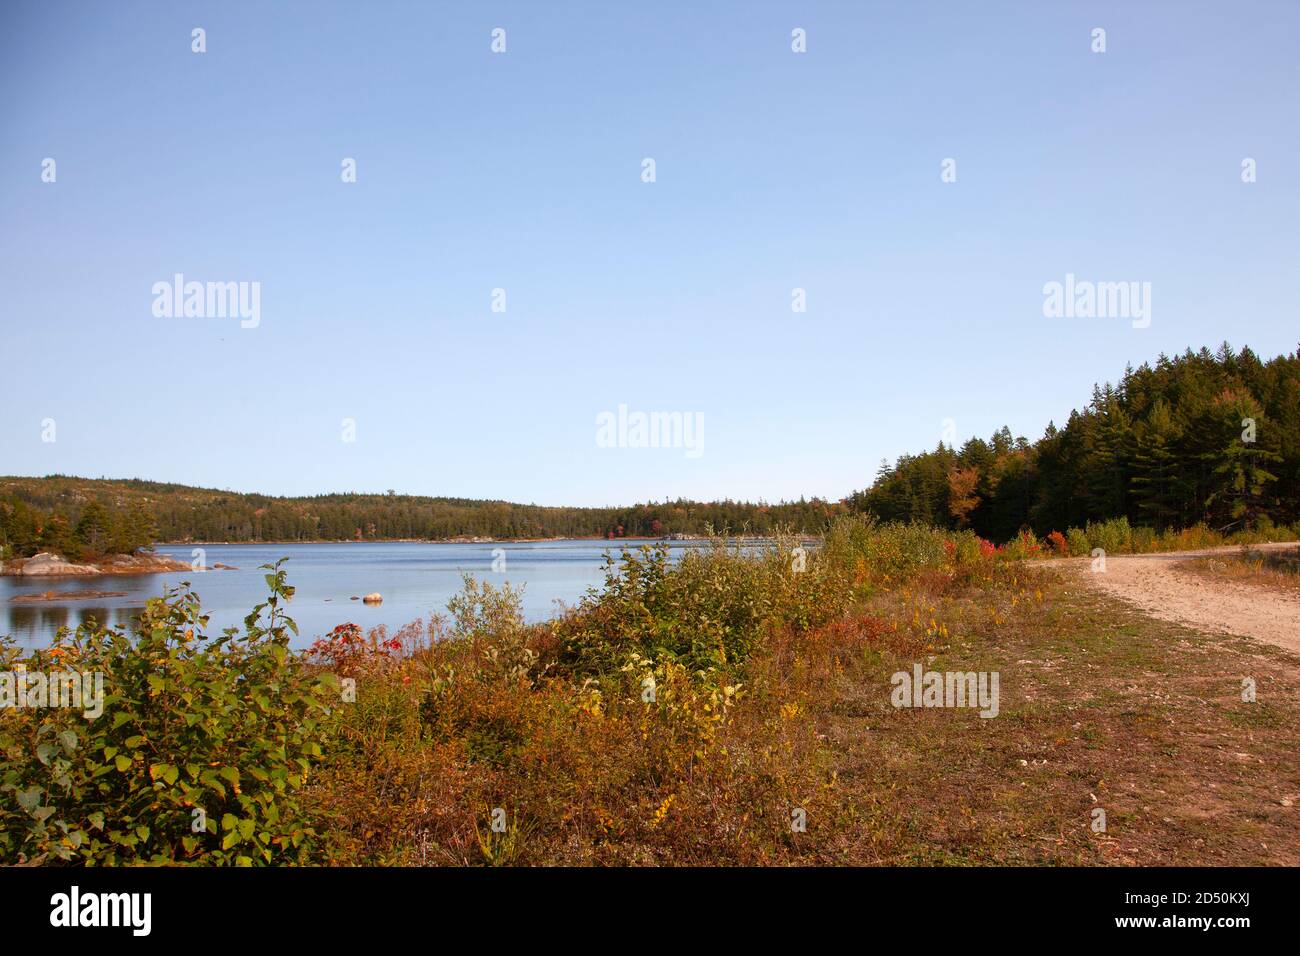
<point x="679" y="714"/>
<point x="1116" y="536"/>
<point x="1109" y="537"/>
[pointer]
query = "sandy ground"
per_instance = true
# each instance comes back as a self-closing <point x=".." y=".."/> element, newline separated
<point x="1156" y="584"/>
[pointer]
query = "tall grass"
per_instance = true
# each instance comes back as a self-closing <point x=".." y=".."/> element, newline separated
<point x="1117" y="536"/>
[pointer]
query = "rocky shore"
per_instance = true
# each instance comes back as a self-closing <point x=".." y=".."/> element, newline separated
<point x="46" y="564"/>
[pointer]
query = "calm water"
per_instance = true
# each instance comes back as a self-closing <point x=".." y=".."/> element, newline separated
<point x="416" y="579"/>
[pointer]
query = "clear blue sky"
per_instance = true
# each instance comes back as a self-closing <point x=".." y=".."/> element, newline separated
<point x="522" y="171"/>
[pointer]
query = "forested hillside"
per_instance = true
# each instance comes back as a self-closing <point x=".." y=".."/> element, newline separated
<point x="39" y="513"/>
<point x="1202" y="437"/>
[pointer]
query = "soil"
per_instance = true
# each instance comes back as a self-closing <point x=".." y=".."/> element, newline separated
<point x="1160" y="586"/>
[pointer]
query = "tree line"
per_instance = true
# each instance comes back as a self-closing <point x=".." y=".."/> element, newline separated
<point x="1203" y="437"/>
<point x="38" y="513"/>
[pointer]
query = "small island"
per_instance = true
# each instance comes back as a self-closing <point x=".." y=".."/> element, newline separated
<point x="47" y="564"/>
<point x="89" y="539"/>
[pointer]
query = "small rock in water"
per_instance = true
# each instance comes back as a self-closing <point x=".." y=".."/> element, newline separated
<point x="354" y="598"/>
<point x="374" y="597"/>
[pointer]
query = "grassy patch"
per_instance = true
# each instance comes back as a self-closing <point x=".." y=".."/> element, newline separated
<point x="1276" y="570"/>
<point x="1100" y="708"/>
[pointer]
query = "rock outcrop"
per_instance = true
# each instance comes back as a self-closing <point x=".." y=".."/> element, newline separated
<point x="47" y="564"/>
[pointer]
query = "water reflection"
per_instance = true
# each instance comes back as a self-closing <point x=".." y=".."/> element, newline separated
<point x="37" y="623"/>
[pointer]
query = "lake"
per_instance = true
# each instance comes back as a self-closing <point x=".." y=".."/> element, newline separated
<point x="415" y="579"/>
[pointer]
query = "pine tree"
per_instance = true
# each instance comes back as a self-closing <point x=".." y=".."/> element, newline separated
<point x="1156" y="467"/>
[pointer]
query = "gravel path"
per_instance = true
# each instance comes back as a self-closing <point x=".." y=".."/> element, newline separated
<point x="1156" y="584"/>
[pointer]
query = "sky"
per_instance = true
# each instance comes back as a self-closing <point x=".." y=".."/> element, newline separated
<point x="377" y="360"/>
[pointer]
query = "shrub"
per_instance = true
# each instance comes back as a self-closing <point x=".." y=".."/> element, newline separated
<point x="888" y="551"/>
<point x="1023" y="546"/>
<point x="1077" y="539"/>
<point x="347" y="652"/>
<point x="704" y="613"/>
<point x="212" y="735"/>
<point x="1113" y="536"/>
<point x="1144" y="541"/>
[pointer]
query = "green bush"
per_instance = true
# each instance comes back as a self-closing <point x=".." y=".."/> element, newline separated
<point x="706" y="613"/>
<point x="1078" y="542"/>
<point x="1025" y="545"/>
<point x="1113" y="536"/>
<point x="891" y="550"/>
<point x="1144" y="541"/>
<point x="212" y="735"/>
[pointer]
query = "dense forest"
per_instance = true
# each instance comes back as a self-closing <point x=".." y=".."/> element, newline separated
<point x="1205" y="437"/>
<point x="88" y="532"/>
<point x="36" y="513"/>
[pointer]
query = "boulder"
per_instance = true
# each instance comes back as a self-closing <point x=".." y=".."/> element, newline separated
<point x="374" y="597"/>
<point x="45" y="564"/>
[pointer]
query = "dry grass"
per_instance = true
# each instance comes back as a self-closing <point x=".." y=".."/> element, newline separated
<point x="1100" y="707"/>
<point x="1276" y="570"/>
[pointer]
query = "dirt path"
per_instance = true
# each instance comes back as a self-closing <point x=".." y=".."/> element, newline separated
<point x="1158" y="586"/>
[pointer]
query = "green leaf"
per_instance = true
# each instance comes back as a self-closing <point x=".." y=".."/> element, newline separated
<point x="122" y="763"/>
<point x="164" y="770"/>
<point x="210" y="779"/>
